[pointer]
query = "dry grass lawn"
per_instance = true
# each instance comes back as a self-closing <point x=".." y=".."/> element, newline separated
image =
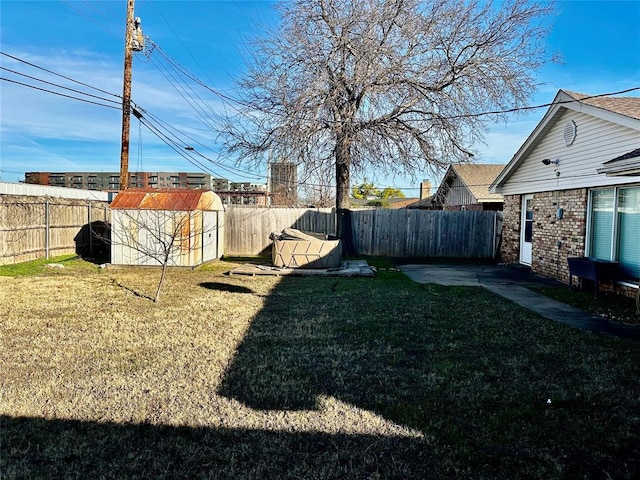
<point x="267" y="377"/>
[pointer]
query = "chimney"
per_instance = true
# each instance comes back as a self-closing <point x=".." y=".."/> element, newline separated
<point x="425" y="189"/>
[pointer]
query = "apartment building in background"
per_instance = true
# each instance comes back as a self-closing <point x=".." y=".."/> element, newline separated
<point x="283" y="183"/>
<point x="231" y="193"/>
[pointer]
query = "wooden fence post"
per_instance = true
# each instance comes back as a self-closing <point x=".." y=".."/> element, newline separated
<point x="90" y="229"/>
<point x="46" y="229"/>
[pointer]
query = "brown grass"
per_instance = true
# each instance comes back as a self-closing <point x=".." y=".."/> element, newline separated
<point x="93" y="347"/>
<point x="263" y="377"/>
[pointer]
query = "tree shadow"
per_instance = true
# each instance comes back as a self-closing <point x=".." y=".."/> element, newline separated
<point x="41" y="448"/>
<point x="225" y="287"/>
<point x="131" y="290"/>
<point x="403" y="360"/>
<point x="389" y="354"/>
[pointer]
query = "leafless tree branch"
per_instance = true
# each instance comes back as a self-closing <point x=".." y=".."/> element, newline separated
<point x="388" y="85"/>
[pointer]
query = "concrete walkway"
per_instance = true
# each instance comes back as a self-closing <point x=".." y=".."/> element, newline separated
<point x="511" y="282"/>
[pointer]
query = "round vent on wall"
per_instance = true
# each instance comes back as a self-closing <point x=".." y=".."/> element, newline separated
<point x="570" y="130"/>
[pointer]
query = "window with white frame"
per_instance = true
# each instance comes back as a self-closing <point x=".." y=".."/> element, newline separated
<point x="614" y="227"/>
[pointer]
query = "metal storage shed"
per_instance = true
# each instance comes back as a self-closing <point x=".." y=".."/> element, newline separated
<point x="150" y="224"/>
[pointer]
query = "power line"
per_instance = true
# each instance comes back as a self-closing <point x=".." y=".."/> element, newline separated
<point x="180" y="40"/>
<point x="233" y="100"/>
<point x="534" y="107"/>
<point x="168" y="127"/>
<point x="60" y="75"/>
<point x="184" y="91"/>
<point x="58" y="93"/>
<point x="120" y="35"/>
<point x="57" y="85"/>
<point x="206" y="117"/>
<point x="176" y="144"/>
<point x="184" y="71"/>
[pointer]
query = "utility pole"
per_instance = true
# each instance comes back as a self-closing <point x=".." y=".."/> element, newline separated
<point x="126" y="98"/>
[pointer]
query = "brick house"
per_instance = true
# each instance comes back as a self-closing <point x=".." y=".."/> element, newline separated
<point x="464" y="187"/>
<point x="573" y="188"/>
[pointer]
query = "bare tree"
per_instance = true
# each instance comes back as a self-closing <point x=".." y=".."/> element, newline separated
<point x="390" y="86"/>
<point x="171" y="236"/>
<point x="314" y="190"/>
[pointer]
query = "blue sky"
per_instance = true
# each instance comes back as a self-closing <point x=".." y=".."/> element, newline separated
<point x="83" y="40"/>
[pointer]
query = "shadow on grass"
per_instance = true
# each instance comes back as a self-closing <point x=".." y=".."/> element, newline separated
<point x="225" y="287"/>
<point x="470" y="370"/>
<point x="38" y="448"/>
<point x="131" y="290"/>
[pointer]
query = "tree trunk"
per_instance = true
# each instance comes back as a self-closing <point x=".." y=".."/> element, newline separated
<point x="343" y="164"/>
<point x="161" y="282"/>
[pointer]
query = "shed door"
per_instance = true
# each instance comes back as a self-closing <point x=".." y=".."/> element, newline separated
<point x="526" y="231"/>
<point x="209" y="236"/>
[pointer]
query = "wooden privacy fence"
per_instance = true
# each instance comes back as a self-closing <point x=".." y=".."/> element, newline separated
<point x="247" y="229"/>
<point x="36" y="227"/>
<point x="379" y="232"/>
<point x="426" y="233"/>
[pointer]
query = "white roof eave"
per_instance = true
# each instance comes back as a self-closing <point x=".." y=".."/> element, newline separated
<point x="557" y="107"/>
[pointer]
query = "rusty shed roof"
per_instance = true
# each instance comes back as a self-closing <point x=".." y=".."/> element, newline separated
<point x="166" y="199"/>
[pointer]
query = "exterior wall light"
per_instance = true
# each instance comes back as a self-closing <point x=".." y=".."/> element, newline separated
<point x="546" y="161"/>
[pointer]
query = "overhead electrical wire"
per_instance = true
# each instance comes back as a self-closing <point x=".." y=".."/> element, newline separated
<point x="164" y="131"/>
<point x="60" y="94"/>
<point x="177" y="147"/>
<point x="110" y="15"/>
<point x="187" y="93"/>
<point x="197" y="103"/>
<point x="180" y="40"/>
<point x="106" y="6"/>
<point x="184" y="71"/>
<point x="233" y="170"/>
<point x="57" y="85"/>
<point x="179" y="68"/>
<point x="119" y="28"/>
<point x="59" y="75"/>
<point x="543" y="105"/>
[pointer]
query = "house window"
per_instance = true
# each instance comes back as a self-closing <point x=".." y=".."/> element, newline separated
<point x="615" y="227"/>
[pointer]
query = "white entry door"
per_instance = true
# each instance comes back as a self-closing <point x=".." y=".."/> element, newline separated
<point x="526" y="231"/>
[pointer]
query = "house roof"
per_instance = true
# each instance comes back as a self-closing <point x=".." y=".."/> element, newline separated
<point x="621" y="110"/>
<point x="400" y="202"/>
<point x="390" y="202"/>
<point x="478" y="177"/>
<point x="627" y="106"/>
<point x="422" y="203"/>
<point x="627" y="164"/>
<point x="627" y="156"/>
<point x="166" y="199"/>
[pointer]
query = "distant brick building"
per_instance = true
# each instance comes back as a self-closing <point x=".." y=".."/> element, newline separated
<point x="283" y="183"/>
<point x="231" y="193"/>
